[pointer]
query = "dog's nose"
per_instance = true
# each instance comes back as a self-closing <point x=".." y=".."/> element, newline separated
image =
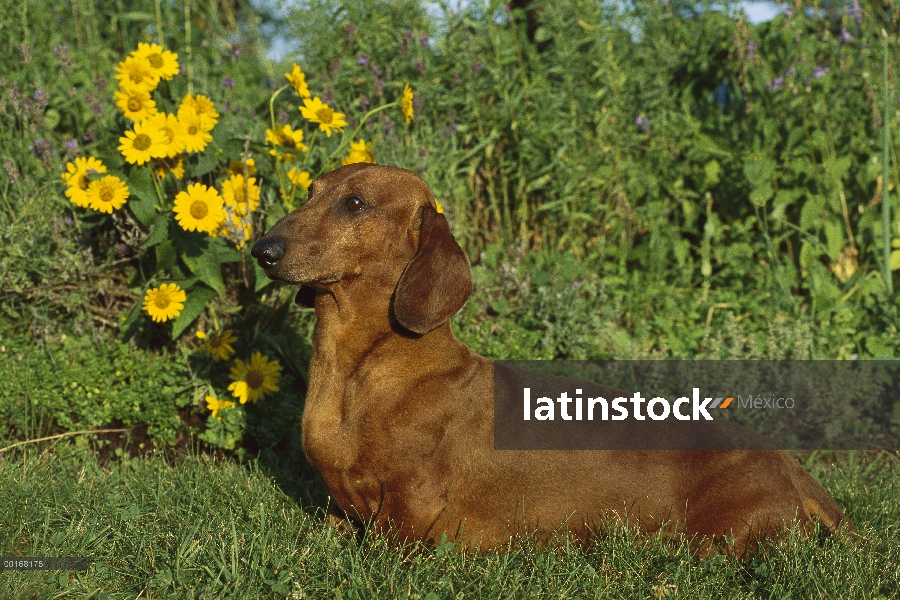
<point x="267" y="252"/>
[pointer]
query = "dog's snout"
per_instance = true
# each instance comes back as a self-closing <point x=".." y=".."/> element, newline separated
<point x="267" y="253"/>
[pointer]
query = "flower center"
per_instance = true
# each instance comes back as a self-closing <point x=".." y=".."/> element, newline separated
<point x="199" y="210"/>
<point x="254" y="379"/>
<point x="240" y="195"/>
<point x="141" y="141"/>
<point x="84" y="182"/>
<point x="136" y="76"/>
<point x="170" y="135"/>
<point x="107" y="194"/>
<point x="162" y="300"/>
<point x="156" y="61"/>
<point x="193" y="129"/>
<point x="325" y="114"/>
<point x="134" y="104"/>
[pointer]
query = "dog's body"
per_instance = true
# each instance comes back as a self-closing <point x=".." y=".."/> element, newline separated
<point x="399" y="414"/>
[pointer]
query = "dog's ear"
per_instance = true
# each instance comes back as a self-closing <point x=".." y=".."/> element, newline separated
<point x="437" y="281"/>
<point x="306" y="297"/>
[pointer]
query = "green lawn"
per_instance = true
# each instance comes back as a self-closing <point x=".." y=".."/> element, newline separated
<point x="193" y="527"/>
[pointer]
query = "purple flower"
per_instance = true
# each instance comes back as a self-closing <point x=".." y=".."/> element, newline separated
<point x="364" y="102"/>
<point x="576" y="284"/>
<point x="328" y="95"/>
<point x="363" y="60"/>
<point x="819" y="72"/>
<point x="228" y="83"/>
<point x="69" y="221"/>
<point x="376" y="71"/>
<point x="388" y="126"/>
<point x="182" y="69"/>
<point x="844" y="37"/>
<point x="417" y="103"/>
<point x="789" y="12"/>
<point x="41" y="148"/>
<point x="477" y="66"/>
<point x="643" y="122"/>
<point x="41" y="97"/>
<point x="751" y="50"/>
<point x="423" y="39"/>
<point x="236" y="49"/>
<point x="855" y="11"/>
<point x="790" y="72"/>
<point x="71" y="146"/>
<point x="777" y="84"/>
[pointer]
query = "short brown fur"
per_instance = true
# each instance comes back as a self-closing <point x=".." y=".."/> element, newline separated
<point x="399" y="413"/>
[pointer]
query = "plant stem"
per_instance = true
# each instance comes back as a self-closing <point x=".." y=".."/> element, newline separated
<point x="346" y="140"/>
<point x="885" y="164"/>
<point x="160" y="37"/>
<point x="189" y="62"/>
<point x="272" y="104"/>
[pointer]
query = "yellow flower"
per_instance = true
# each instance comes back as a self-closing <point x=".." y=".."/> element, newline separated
<point x="142" y="144"/>
<point x="165" y="302"/>
<point x="298" y="80"/>
<point x="218" y="346"/>
<point x="135" y="103"/>
<point x="315" y="111"/>
<point x="241" y="194"/>
<point x="286" y="138"/>
<point x="195" y="136"/>
<point x="107" y="194"/>
<point x="242" y="167"/>
<point x="76" y="176"/>
<point x="199" y="208"/>
<point x="162" y="62"/>
<point x="359" y="152"/>
<point x="406" y="104"/>
<point x="164" y="166"/>
<point x="199" y="106"/>
<point x="172" y="130"/>
<point x="440" y="209"/>
<point x="300" y="178"/>
<point x="254" y="379"/>
<point x="215" y="405"/>
<point x="137" y="73"/>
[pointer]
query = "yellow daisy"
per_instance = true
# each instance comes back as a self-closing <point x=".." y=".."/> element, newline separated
<point x="76" y="176"/>
<point x="286" y="137"/>
<point x="298" y="177"/>
<point x="242" y="167"/>
<point x="199" y="208"/>
<point x="438" y="207"/>
<point x="298" y="80"/>
<point x="215" y="405"/>
<point x="137" y="73"/>
<point x="165" y="302"/>
<point x="254" y="379"/>
<point x="406" y="104"/>
<point x="241" y="194"/>
<point x="359" y="152"/>
<point x="194" y="132"/>
<point x="172" y="130"/>
<point x="218" y="346"/>
<point x="316" y="111"/>
<point x="164" y="166"/>
<point x="142" y="144"/>
<point x="135" y="103"/>
<point x="162" y="62"/>
<point x="107" y="194"/>
<point x="200" y="106"/>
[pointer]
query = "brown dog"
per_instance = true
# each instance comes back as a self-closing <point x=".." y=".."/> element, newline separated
<point x="399" y="413"/>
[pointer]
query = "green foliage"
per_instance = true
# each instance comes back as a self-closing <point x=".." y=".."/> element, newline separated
<point x="74" y="383"/>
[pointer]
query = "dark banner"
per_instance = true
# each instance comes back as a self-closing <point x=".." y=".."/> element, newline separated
<point x="697" y="405"/>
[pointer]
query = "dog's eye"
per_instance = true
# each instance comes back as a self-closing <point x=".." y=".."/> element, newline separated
<point x="354" y="204"/>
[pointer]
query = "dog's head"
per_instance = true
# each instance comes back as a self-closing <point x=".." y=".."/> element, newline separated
<point x="376" y="228"/>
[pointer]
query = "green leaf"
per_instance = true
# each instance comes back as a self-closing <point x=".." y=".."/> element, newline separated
<point x="143" y="195"/>
<point x="262" y="280"/>
<point x="127" y="326"/>
<point x="223" y="250"/>
<point x="207" y="268"/>
<point x="196" y="301"/>
<point x="51" y="118"/>
<point x="158" y="232"/>
<point x="165" y="255"/>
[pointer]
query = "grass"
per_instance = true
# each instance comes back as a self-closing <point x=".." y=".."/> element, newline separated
<point x="190" y="526"/>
